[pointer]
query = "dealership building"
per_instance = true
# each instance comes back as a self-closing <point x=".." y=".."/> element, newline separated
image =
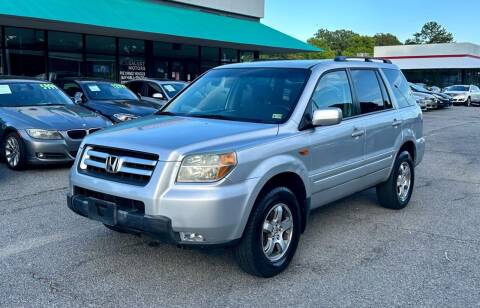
<point x="128" y="39"/>
<point x="436" y="64"/>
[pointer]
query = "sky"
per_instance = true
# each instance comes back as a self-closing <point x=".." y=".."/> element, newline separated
<point x="302" y="18"/>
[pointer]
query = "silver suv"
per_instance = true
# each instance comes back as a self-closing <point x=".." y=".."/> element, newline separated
<point x="247" y="151"/>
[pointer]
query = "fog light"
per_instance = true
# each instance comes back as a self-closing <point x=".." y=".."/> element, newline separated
<point x="40" y="155"/>
<point x="191" y="237"/>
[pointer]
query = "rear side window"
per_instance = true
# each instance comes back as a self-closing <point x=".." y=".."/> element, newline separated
<point x="333" y="90"/>
<point x="369" y="91"/>
<point x="400" y="87"/>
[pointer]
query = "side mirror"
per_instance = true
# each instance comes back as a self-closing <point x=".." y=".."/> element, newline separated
<point x="327" y="117"/>
<point x="158" y="96"/>
<point x="78" y="98"/>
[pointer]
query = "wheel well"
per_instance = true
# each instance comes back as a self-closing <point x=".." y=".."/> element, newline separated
<point x="409" y="146"/>
<point x="295" y="183"/>
<point x="6" y="132"/>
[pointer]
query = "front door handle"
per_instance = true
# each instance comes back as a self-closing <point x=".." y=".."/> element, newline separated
<point x="396" y="123"/>
<point x="358" y="133"/>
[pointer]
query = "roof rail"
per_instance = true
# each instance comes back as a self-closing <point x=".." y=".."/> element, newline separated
<point x="366" y="59"/>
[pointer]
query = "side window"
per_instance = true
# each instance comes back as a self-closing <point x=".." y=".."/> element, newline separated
<point x="400" y="87"/>
<point x="369" y="92"/>
<point x="333" y="90"/>
<point x="152" y="89"/>
<point x="136" y="87"/>
<point x="71" y="88"/>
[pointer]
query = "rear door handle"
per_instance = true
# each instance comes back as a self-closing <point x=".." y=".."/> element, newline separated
<point x="358" y="133"/>
<point x="396" y="123"/>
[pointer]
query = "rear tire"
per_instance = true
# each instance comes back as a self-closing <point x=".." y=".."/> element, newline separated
<point x="14" y="151"/>
<point x="396" y="192"/>
<point x="469" y="102"/>
<point x="271" y="236"/>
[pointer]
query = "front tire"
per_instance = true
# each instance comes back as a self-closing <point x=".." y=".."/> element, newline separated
<point x="469" y="102"/>
<point x="272" y="234"/>
<point x="396" y="192"/>
<point x="14" y="151"/>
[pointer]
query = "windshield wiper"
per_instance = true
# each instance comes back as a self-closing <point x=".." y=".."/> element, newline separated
<point x="168" y="113"/>
<point x="209" y="116"/>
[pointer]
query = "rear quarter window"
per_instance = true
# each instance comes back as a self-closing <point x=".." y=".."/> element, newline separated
<point x="400" y="88"/>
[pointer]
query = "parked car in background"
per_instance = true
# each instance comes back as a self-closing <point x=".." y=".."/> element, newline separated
<point x="40" y="124"/>
<point x="440" y="100"/>
<point x="435" y="89"/>
<point x="158" y="91"/>
<point x="113" y="100"/>
<point x="425" y="101"/>
<point x="245" y="152"/>
<point x="464" y="94"/>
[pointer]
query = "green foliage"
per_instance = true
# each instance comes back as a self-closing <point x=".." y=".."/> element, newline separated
<point x="431" y="33"/>
<point x="337" y="41"/>
<point x="386" y="39"/>
<point x="360" y="45"/>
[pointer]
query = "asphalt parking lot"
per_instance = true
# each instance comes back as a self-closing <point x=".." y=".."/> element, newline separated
<point x="354" y="253"/>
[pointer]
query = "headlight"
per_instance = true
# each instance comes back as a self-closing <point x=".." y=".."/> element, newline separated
<point x="206" y="167"/>
<point x="122" y="117"/>
<point x="44" y="134"/>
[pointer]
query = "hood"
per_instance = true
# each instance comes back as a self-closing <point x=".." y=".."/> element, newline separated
<point x="135" y="107"/>
<point x="56" y="117"/>
<point x="422" y="95"/>
<point x="171" y="137"/>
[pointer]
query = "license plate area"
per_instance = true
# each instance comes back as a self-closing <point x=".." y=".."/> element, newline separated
<point x="103" y="211"/>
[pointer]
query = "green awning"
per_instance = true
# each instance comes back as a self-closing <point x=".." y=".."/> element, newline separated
<point x="149" y="16"/>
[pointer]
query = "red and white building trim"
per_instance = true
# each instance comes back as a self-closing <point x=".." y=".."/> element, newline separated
<point x="432" y="56"/>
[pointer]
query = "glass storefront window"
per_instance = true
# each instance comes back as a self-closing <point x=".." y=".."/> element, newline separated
<point x="64" y="64"/>
<point x="101" y="44"/>
<point x="131" y="47"/>
<point x="160" y="69"/>
<point x="64" y="41"/>
<point x="229" y="55"/>
<point x="132" y="68"/>
<point x="247" y="56"/>
<point x="25" y="63"/>
<point x="210" y="54"/>
<point x="22" y="38"/>
<point x="101" y="66"/>
<point x="166" y="50"/>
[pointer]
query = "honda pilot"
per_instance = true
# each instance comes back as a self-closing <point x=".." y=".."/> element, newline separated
<point x="243" y="155"/>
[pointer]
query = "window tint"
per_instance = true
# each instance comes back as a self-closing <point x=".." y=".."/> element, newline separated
<point x="333" y="90"/>
<point x="153" y="89"/>
<point x="136" y="87"/>
<point x="71" y="88"/>
<point x="400" y="87"/>
<point x="369" y="93"/>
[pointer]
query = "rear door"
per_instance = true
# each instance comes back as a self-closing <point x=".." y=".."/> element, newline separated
<point x="381" y="120"/>
<point x="337" y="152"/>
<point x="475" y="94"/>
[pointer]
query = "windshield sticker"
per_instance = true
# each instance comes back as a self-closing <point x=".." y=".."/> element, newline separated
<point x="169" y="88"/>
<point x="48" y="86"/>
<point x="94" y="88"/>
<point x="277" y="116"/>
<point x="5" y="89"/>
<point x="118" y="86"/>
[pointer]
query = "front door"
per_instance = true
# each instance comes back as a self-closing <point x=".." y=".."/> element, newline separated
<point x="337" y="152"/>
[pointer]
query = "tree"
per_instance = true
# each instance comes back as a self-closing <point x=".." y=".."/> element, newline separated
<point x="360" y="45"/>
<point x="337" y="40"/>
<point x="431" y="33"/>
<point x="386" y="39"/>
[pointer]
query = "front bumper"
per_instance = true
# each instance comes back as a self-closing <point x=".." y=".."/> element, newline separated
<point x="50" y="151"/>
<point x="217" y="211"/>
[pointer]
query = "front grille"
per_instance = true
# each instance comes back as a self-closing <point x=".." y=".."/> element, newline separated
<point x="132" y="167"/>
<point x="81" y="133"/>
<point x="124" y="204"/>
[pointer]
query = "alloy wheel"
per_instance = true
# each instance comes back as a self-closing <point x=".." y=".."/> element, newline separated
<point x="12" y="151"/>
<point x="404" y="181"/>
<point x="277" y="232"/>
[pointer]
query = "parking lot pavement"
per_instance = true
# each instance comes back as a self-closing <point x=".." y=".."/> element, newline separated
<point x="354" y="253"/>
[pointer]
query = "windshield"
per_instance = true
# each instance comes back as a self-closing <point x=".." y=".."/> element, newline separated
<point x="108" y="91"/>
<point x="172" y="89"/>
<point x="459" y="88"/>
<point x="262" y="95"/>
<point x="18" y="94"/>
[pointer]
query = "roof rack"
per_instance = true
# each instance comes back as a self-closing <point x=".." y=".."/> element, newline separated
<point x="366" y="59"/>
